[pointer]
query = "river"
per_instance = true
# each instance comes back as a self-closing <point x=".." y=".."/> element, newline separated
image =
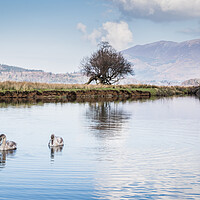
<point x="144" y="149"/>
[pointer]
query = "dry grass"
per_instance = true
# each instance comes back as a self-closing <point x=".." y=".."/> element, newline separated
<point x="24" y="86"/>
<point x="155" y="90"/>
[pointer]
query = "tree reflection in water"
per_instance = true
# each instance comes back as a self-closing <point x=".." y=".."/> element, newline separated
<point x="107" y="119"/>
<point x="4" y="155"/>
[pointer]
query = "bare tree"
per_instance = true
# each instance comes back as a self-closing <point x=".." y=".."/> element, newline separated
<point x="106" y="65"/>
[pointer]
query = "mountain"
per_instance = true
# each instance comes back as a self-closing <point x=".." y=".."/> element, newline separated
<point x="12" y="73"/>
<point x="191" y="82"/>
<point x="7" y="68"/>
<point x="165" y="61"/>
<point x="159" y="63"/>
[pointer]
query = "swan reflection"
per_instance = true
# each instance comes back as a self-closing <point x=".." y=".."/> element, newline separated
<point x="54" y="151"/>
<point x="3" y="155"/>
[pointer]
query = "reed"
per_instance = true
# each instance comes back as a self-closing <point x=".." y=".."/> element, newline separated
<point x="24" y="86"/>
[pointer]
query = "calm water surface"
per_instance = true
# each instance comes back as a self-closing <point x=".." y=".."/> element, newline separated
<point x="125" y="150"/>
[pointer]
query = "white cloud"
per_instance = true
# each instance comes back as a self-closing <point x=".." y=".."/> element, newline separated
<point x="117" y="34"/>
<point x="159" y="10"/>
<point x="81" y="27"/>
<point x="95" y="36"/>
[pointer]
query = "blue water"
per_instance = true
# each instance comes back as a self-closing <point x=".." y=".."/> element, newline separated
<point x="148" y="149"/>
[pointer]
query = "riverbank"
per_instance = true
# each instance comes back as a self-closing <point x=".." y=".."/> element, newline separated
<point x="72" y="92"/>
<point x="74" y="95"/>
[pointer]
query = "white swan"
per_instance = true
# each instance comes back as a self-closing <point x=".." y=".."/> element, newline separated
<point x="7" y="145"/>
<point x="55" y="141"/>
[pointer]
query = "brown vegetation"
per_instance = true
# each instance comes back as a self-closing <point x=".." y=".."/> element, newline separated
<point x="72" y="92"/>
<point x="26" y="86"/>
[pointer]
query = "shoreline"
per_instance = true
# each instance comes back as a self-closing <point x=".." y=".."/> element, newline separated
<point x="75" y="95"/>
<point x="80" y="92"/>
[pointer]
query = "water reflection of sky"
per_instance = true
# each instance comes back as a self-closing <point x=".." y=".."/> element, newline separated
<point x="137" y="150"/>
<point x="147" y="160"/>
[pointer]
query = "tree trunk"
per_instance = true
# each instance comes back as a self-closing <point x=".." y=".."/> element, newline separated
<point x="93" y="78"/>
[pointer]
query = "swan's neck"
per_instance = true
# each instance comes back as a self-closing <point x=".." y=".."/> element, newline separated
<point x="4" y="142"/>
<point x="51" y="142"/>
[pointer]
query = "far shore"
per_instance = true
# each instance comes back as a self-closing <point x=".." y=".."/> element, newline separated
<point x="72" y="92"/>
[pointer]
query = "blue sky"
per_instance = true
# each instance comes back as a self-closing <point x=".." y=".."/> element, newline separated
<point x="54" y="35"/>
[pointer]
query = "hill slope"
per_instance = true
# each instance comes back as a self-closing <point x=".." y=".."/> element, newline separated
<point x="11" y="73"/>
<point x="166" y="60"/>
<point x="7" y="68"/>
<point x="161" y="62"/>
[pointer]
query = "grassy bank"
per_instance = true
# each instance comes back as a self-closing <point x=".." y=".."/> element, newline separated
<point x="154" y="90"/>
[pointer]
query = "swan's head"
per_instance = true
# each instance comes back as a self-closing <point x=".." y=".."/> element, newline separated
<point x="52" y="136"/>
<point x="2" y="136"/>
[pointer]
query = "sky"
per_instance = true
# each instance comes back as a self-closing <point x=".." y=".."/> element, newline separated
<point x="55" y="35"/>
